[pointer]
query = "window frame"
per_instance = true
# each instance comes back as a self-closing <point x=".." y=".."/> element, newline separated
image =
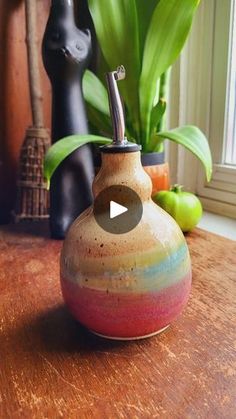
<point x="202" y="103"/>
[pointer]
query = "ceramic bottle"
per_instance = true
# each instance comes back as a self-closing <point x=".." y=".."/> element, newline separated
<point x="131" y="285"/>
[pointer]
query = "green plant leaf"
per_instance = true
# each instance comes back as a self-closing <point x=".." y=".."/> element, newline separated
<point x="97" y="103"/>
<point x="95" y="93"/>
<point x="99" y="122"/>
<point x="145" y="10"/>
<point x="64" y="147"/>
<point x="168" y="30"/>
<point x="116" y="25"/>
<point x="194" y="140"/>
<point x="157" y="113"/>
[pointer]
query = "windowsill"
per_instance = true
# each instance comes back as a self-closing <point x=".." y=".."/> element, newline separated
<point x="218" y="224"/>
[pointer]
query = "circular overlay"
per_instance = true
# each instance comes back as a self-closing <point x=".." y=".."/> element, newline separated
<point x="118" y="209"/>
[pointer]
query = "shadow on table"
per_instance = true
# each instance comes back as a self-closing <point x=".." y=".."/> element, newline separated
<point x="28" y="229"/>
<point x="57" y="331"/>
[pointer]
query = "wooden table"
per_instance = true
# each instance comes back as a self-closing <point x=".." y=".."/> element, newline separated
<point x="51" y="367"/>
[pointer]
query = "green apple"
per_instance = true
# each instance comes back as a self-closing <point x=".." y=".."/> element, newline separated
<point x="184" y="207"/>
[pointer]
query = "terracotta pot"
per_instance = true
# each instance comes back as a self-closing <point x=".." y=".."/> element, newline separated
<point x="155" y="166"/>
<point x="131" y="285"/>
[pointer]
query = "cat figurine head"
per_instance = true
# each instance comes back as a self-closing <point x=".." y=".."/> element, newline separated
<point x="66" y="49"/>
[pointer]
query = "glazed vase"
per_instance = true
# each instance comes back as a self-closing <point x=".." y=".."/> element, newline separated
<point x="131" y="285"/>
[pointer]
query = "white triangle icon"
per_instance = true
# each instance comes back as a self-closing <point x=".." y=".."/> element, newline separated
<point x="116" y="209"/>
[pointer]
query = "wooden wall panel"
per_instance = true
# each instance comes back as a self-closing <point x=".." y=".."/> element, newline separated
<point x="15" y="113"/>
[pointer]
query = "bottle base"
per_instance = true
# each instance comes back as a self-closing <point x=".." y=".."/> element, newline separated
<point x="131" y="338"/>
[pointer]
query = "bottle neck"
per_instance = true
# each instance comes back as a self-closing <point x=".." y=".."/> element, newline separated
<point x="123" y="169"/>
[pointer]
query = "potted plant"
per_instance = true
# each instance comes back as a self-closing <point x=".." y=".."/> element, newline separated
<point x="146" y="39"/>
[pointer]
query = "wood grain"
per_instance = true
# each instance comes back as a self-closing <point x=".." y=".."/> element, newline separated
<point x="51" y="367"/>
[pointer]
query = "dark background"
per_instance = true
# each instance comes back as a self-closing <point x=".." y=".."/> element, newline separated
<point x="15" y="113"/>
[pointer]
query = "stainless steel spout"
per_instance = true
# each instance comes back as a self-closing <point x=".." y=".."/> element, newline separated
<point x="116" y="108"/>
<point x="120" y="143"/>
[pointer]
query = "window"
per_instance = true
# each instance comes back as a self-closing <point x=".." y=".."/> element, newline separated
<point x="206" y="89"/>
<point x="229" y="156"/>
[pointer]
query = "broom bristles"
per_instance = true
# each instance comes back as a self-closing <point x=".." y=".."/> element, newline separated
<point x="32" y="197"/>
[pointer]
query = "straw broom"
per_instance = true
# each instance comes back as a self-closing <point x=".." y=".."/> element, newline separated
<point x="32" y="195"/>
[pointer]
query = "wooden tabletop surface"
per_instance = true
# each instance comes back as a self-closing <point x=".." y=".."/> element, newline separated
<point x="51" y="367"/>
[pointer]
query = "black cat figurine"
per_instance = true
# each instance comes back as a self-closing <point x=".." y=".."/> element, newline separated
<point x="66" y="53"/>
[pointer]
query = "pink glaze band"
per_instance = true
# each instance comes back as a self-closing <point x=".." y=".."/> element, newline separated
<point x="126" y="315"/>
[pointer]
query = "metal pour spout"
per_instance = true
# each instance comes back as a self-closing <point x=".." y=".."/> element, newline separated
<point x="120" y="143"/>
<point x="115" y="104"/>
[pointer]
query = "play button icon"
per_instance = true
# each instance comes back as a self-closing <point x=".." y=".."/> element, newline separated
<point x="118" y="209"/>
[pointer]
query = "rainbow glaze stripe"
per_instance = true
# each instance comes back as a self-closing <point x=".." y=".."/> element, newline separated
<point x="130" y="302"/>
